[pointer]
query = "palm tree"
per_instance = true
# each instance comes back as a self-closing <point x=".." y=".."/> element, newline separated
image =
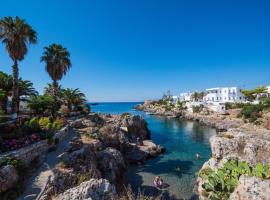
<point x="73" y="97"/>
<point x="26" y="89"/>
<point x="49" y="91"/>
<point x="6" y="84"/>
<point x="16" y="34"/>
<point x="57" y="60"/>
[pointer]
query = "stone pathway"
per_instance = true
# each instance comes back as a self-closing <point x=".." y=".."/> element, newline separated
<point x="39" y="179"/>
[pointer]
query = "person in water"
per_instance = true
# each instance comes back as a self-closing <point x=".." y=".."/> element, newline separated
<point x="177" y="168"/>
<point x="158" y="182"/>
<point x="198" y="156"/>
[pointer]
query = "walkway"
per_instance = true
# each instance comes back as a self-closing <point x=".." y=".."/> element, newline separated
<point x="39" y="179"/>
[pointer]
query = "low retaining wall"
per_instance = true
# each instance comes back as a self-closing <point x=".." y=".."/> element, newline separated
<point x="29" y="153"/>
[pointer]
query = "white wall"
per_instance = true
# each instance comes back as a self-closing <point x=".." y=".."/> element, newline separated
<point x="224" y="94"/>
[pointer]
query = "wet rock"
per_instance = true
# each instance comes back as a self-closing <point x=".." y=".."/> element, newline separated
<point x="139" y="153"/>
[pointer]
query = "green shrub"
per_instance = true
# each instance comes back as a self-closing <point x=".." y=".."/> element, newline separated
<point x="252" y="112"/>
<point x="20" y="167"/>
<point x="126" y="114"/>
<point x="43" y="122"/>
<point x="34" y="124"/>
<point x="58" y="124"/>
<point x="197" y="109"/>
<point x="219" y="184"/>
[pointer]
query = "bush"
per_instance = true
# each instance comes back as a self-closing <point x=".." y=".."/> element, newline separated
<point x="219" y="184"/>
<point x="126" y="114"/>
<point x="252" y="112"/>
<point x="19" y="166"/>
<point x="43" y="122"/>
<point x="34" y="124"/>
<point x="58" y="123"/>
<point x="229" y="105"/>
<point x="197" y="109"/>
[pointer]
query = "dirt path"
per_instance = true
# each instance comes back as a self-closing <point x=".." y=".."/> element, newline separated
<point x="40" y="178"/>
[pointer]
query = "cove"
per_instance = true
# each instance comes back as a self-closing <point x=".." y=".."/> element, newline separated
<point x="182" y="139"/>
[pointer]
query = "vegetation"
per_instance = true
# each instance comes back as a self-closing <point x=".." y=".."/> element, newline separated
<point x="40" y="105"/>
<point x="251" y="95"/>
<point x="252" y="112"/>
<point x="73" y="98"/>
<point x="219" y="184"/>
<point x="167" y="96"/>
<point x="15" y="34"/>
<point x="57" y="61"/>
<point x="197" y="96"/>
<point x="23" y="171"/>
<point x="230" y="105"/>
<point x="181" y="105"/>
<point x="197" y="109"/>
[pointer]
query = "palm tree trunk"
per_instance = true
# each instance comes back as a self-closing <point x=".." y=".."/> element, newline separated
<point x="15" y="90"/>
<point x="54" y="99"/>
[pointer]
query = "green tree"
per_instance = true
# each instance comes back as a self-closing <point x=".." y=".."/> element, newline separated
<point x="16" y="34"/>
<point x="6" y="84"/>
<point x="40" y="104"/>
<point x="251" y="95"/>
<point x="26" y="89"/>
<point x="167" y="96"/>
<point x="73" y="97"/>
<point x="57" y="61"/>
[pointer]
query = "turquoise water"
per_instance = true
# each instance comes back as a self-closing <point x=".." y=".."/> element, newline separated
<point x="182" y="139"/>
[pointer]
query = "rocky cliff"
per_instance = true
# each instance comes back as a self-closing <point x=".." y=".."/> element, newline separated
<point x="250" y="146"/>
<point x="94" y="164"/>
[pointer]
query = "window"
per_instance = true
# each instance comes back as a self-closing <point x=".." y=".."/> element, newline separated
<point x="240" y="98"/>
<point x="229" y="98"/>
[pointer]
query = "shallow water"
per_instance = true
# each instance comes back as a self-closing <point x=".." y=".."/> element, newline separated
<point x="182" y="139"/>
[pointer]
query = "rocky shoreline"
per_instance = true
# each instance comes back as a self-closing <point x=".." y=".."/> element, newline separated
<point x="236" y="140"/>
<point x="94" y="164"/>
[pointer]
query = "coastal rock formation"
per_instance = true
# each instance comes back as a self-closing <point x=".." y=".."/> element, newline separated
<point x="111" y="164"/>
<point x="251" y="188"/>
<point x="139" y="153"/>
<point x="96" y="189"/>
<point x="251" y="146"/>
<point x="104" y="145"/>
<point x="8" y="177"/>
<point x="244" y="146"/>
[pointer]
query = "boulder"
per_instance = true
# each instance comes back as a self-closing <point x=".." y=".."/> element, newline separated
<point x="94" y="189"/>
<point x="137" y="127"/>
<point x="251" y="188"/>
<point x="139" y="153"/>
<point x="8" y="177"/>
<point x="111" y="164"/>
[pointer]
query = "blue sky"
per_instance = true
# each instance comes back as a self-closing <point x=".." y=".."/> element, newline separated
<point x="131" y="50"/>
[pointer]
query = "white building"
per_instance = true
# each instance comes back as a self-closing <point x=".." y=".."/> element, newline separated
<point x="185" y="96"/>
<point x="224" y="94"/>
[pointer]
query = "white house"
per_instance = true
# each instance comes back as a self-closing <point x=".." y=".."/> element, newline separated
<point x="185" y="96"/>
<point x="224" y="94"/>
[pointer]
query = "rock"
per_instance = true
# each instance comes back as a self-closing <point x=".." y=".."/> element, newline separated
<point x="77" y="123"/>
<point x="8" y="177"/>
<point x="137" y="127"/>
<point x="244" y="146"/>
<point x="95" y="189"/>
<point x="111" y="164"/>
<point x="140" y="153"/>
<point x="251" y="188"/>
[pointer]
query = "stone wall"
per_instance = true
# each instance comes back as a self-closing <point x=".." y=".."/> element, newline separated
<point x="29" y="153"/>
